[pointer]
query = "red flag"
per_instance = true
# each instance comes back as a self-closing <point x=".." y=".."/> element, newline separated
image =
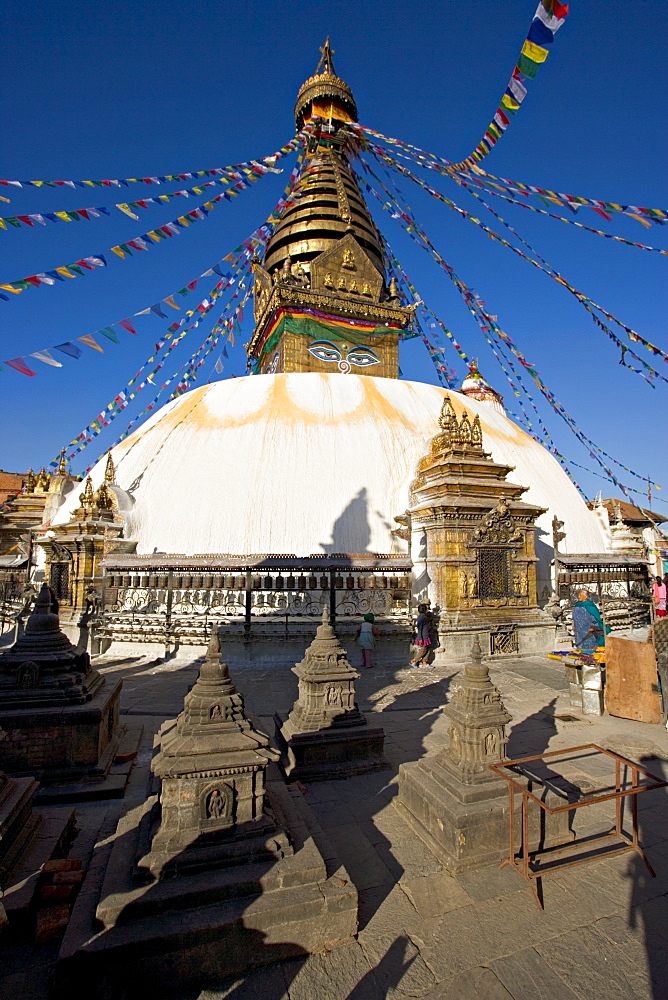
<point x="127" y="325"/>
<point x="20" y="366"/>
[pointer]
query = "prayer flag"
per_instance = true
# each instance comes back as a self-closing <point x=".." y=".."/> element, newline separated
<point x="89" y="340"/>
<point x="70" y="349"/>
<point x="46" y="357"/>
<point x="109" y="333"/>
<point x="20" y="365"/>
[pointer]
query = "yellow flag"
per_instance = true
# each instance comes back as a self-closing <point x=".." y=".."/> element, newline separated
<point x="128" y="211"/>
<point x="119" y="253"/>
<point x="63" y="215"/>
<point x="9" y="288"/>
<point x="509" y="102"/>
<point x="535" y="52"/>
<point x="65" y="272"/>
<point x="646" y="224"/>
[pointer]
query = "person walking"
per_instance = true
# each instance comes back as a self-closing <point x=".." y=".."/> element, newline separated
<point x="422" y="640"/>
<point x="659" y="596"/>
<point x="366" y="638"/>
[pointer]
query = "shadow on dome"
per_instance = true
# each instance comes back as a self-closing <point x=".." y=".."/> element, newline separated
<point x="351" y="531"/>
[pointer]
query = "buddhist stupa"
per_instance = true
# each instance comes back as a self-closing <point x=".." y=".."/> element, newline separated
<point x="316" y="450"/>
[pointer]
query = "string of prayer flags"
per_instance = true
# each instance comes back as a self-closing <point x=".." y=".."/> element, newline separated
<point x="430" y="161"/>
<point x="144" y="242"/>
<point x="44" y="355"/>
<point x="549" y="17"/>
<point x="265" y="163"/>
<point x="132" y="388"/>
<point x="465" y="180"/>
<point x="488" y="324"/>
<point x="239" y="258"/>
<point x="41" y="218"/>
<point x="186" y="373"/>
<point x="588" y="304"/>
<point x="606" y="209"/>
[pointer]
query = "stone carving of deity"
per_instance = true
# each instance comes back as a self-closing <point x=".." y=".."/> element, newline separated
<point x="490" y="745"/>
<point x="215" y="807"/>
<point x="463" y="584"/>
<point x="28" y="675"/>
<point x="348" y="260"/>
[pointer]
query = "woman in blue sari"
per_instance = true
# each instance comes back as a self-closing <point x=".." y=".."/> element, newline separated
<point x="587" y="623"/>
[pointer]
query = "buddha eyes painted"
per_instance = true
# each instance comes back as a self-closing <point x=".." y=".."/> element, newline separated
<point x="325" y="350"/>
<point x="362" y="357"/>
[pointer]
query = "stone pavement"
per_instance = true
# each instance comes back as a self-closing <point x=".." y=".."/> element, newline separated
<point x="603" y="933"/>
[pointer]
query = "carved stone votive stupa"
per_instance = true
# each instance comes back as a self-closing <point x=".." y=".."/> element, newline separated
<point x="452" y="799"/>
<point x="325" y="735"/>
<point x="61" y="716"/>
<point x="212" y="764"/>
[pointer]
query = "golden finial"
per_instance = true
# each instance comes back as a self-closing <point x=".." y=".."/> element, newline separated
<point x="476" y="433"/>
<point x="447" y="418"/>
<point x="110" y="471"/>
<point x="86" y="498"/>
<point x="465" y="431"/>
<point x="326" y="64"/>
<point x="103" y="498"/>
<point x="62" y="467"/>
<point x="31" y="481"/>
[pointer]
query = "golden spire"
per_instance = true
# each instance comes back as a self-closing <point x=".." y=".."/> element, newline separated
<point x="62" y="467"/>
<point x="326" y="89"/>
<point x="86" y="498"/>
<point x="110" y="472"/>
<point x="326" y="63"/>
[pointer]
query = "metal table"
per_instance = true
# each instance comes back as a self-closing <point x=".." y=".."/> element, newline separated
<point x="524" y="771"/>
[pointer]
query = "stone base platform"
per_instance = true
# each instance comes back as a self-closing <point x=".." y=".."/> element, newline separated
<point x="330" y="753"/>
<point x="191" y="929"/>
<point x="467" y="826"/>
<point x="512" y="633"/>
<point x="64" y="743"/>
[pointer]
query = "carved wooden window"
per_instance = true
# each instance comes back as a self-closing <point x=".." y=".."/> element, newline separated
<point x="493" y="574"/>
<point x="60" y="580"/>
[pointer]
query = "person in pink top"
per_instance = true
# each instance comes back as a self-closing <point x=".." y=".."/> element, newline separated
<point x="659" y="595"/>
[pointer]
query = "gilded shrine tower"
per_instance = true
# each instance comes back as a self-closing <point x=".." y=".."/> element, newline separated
<point x="322" y="301"/>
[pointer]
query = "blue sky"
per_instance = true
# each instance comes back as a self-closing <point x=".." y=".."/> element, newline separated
<point x="119" y="90"/>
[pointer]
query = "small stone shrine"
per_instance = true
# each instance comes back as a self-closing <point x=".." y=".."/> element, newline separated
<point x="223" y="869"/>
<point x="61" y="716"/>
<point x="325" y="735"/>
<point x="212" y="764"/>
<point x="473" y="546"/>
<point x="452" y="800"/>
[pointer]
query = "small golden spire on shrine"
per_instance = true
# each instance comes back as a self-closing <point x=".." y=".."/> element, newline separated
<point x="476" y="433"/>
<point x="110" y="471"/>
<point x="465" y="431"/>
<point x="62" y="467"/>
<point x="103" y="498"/>
<point x="86" y="498"/>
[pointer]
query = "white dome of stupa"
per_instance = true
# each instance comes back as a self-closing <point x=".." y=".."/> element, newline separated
<point x="307" y="463"/>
